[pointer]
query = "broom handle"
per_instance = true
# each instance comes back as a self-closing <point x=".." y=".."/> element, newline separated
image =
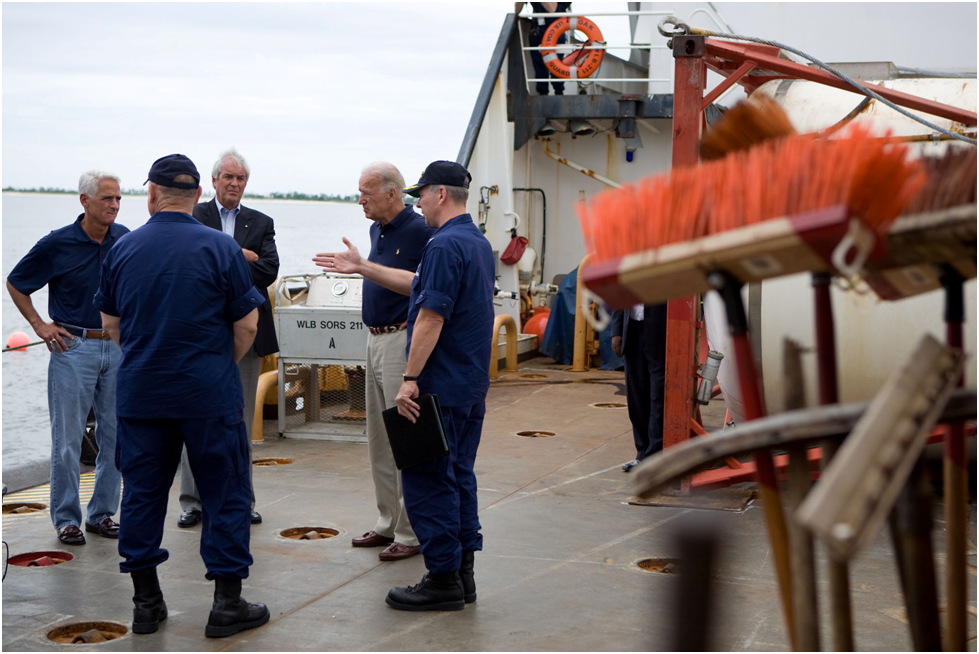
<point x="839" y="570"/>
<point x="955" y="478"/>
<point x="730" y="290"/>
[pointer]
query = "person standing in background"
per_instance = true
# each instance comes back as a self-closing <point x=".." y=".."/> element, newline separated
<point x="537" y="29"/>
<point x="255" y="233"/>
<point x="639" y="338"/>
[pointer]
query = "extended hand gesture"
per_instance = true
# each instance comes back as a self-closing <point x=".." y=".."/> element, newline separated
<point x="347" y="262"/>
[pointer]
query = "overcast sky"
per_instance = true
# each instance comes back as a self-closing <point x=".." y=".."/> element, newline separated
<point x="308" y="93"/>
<point x="311" y="93"/>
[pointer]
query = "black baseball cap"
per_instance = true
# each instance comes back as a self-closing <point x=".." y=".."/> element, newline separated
<point x="166" y="168"/>
<point x="444" y="173"/>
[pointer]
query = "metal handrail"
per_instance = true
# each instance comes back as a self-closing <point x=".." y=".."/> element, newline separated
<point x="605" y="13"/>
<point x="501" y="321"/>
<point x="599" y="79"/>
<point x="630" y="47"/>
<point x="644" y="46"/>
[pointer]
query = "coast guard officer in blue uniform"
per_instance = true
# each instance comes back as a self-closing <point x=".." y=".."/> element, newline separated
<point x="450" y="328"/>
<point x="178" y="299"/>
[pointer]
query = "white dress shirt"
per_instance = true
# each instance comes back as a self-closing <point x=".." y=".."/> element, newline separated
<point x="228" y="217"/>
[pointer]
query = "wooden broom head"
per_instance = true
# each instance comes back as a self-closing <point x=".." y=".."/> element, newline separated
<point x="747" y="124"/>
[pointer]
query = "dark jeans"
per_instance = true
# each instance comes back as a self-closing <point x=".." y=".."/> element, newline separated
<point x="148" y="453"/>
<point x="440" y="496"/>
<point x="645" y="377"/>
<point x="540" y="68"/>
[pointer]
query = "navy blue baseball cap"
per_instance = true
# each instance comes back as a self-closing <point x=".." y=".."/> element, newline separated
<point x="443" y="173"/>
<point x="166" y="168"/>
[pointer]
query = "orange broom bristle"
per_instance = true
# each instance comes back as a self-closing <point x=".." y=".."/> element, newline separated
<point x="794" y="174"/>
<point x="743" y="126"/>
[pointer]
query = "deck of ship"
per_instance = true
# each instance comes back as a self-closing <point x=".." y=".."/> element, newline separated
<point x="558" y="570"/>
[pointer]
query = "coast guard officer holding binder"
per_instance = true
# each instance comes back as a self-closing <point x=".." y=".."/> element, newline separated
<point x="450" y="328"/>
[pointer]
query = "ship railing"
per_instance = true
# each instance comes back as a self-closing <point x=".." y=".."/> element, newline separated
<point x="649" y="47"/>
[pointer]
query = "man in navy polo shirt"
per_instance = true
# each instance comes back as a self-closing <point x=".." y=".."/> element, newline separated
<point x="450" y="328"/>
<point x="398" y="237"/>
<point x="178" y="298"/>
<point x="83" y="365"/>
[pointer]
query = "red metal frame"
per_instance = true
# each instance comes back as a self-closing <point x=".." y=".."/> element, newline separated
<point x="681" y="354"/>
<point x="726" y="57"/>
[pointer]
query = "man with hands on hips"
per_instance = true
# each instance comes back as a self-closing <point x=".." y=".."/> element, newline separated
<point x="450" y="325"/>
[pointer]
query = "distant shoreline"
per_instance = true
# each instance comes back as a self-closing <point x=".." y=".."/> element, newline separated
<point x="204" y="198"/>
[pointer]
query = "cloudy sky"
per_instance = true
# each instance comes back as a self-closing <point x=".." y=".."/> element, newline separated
<point x="311" y="93"/>
<point x="308" y="93"/>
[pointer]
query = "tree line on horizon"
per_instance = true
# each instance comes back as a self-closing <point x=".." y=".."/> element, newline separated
<point x="275" y="195"/>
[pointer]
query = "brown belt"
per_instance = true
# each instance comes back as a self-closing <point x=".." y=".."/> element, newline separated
<point x="386" y="329"/>
<point x="86" y="333"/>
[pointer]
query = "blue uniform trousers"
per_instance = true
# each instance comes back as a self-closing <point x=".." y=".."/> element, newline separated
<point x="440" y="496"/>
<point x="148" y="453"/>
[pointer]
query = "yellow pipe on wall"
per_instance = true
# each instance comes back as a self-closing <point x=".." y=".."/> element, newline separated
<point x="266" y="381"/>
<point x="499" y="323"/>
<point x="580" y="359"/>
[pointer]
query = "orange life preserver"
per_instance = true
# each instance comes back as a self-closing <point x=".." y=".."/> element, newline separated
<point x="581" y="63"/>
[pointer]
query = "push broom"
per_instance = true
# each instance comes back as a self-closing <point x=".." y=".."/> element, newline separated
<point x="932" y="245"/>
<point x="786" y="205"/>
<point x="695" y="225"/>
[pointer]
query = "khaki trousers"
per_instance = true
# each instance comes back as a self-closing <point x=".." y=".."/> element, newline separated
<point x="249" y="368"/>
<point x="386" y="364"/>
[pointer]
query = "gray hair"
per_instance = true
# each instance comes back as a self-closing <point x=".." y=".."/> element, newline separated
<point x="388" y="176"/>
<point x="232" y="154"/>
<point x="88" y="183"/>
<point x="456" y="194"/>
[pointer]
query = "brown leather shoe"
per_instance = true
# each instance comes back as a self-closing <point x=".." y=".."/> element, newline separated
<point x="71" y="535"/>
<point x="371" y="539"/>
<point x="106" y="528"/>
<point x="397" y="552"/>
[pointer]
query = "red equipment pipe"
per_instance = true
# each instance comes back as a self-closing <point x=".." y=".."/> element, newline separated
<point x="955" y="477"/>
<point x="839" y="571"/>
<point x="729" y="288"/>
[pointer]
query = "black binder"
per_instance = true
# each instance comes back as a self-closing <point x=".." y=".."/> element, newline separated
<point x="417" y="442"/>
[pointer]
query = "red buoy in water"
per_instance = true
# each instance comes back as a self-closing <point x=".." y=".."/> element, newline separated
<point x="18" y="340"/>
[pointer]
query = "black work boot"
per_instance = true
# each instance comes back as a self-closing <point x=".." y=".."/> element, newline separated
<point x="230" y="613"/>
<point x="436" y="592"/>
<point x="149" y="609"/>
<point x="466" y="573"/>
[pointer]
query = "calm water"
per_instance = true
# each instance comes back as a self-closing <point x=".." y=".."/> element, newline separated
<point x="302" y="229"/>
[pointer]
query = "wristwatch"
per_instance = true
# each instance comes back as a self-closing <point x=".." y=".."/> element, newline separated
<point x="410" y="377"/>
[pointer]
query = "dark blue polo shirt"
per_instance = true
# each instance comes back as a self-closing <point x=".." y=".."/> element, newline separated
<point x="69" y="262"/>
<point x="455" y="279"/>
<point x="398" y="244"/>
<point x="177" y="287"/>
